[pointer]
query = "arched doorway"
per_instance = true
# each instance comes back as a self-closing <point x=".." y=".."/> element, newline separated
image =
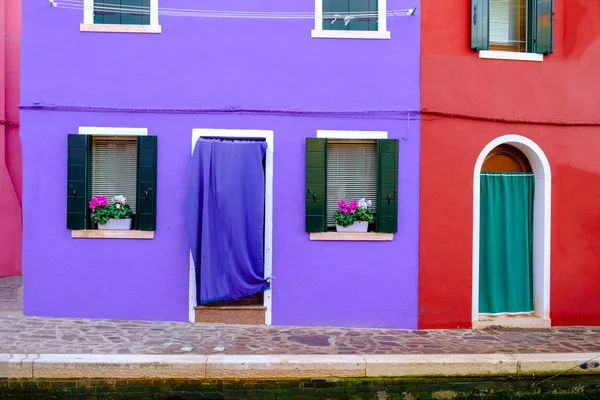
<point x="511" y="234"/>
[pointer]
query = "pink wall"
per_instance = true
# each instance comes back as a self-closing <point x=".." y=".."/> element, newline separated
<point x="10" y="146"/>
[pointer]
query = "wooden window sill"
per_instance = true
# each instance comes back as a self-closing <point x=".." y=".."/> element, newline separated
<point x="120" y="28"/>
<point x="362" y="237"/>
<point x="111" y="234"/>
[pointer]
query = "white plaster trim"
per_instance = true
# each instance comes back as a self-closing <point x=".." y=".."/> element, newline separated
<point x="541" y="222"/>
<point x="352" y="134"/>
<point x="119" y="28"/>
<point x="111" y="131"/>
<point x="381" y="27"/>
<point x="351" y="34"/>
<point x="510" y="55"/>
<point x="88" y="14"/>
<point x="268" y="253"/>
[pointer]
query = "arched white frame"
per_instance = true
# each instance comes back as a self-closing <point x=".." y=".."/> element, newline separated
<point x="268" y="253"/>
<point x="541" y="221"/>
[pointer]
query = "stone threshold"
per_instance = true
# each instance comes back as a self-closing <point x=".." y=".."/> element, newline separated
<point x="221" y="366"/>
<point x="512" y="321"/>
<point x="234" y="315"/>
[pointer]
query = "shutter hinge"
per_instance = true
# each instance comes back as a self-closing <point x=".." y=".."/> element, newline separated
<point x="475" y="15"/>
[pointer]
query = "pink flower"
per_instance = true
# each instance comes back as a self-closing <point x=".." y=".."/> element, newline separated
<point x="98" y="201"/>
<point x="353" y="206"/>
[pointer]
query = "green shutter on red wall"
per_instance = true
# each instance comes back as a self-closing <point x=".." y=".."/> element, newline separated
<point x="316" y="185"/>
<point x="77" y="162"/>
<point x="147" y="174"/>
<point x="480" y="18"/>
<point x="542" y="27"/>
<point x="387" y="185"/>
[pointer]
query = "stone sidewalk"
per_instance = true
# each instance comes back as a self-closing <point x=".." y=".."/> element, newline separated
<point x="21" y="334"/>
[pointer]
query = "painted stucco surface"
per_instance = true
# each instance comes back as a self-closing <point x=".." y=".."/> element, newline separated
<point x="288" y="83"/>
<point x="10" y="146"/>
<point x="554" y="103"/>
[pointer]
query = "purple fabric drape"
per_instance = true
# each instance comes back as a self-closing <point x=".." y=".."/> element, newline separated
<point x="225" y="218"/>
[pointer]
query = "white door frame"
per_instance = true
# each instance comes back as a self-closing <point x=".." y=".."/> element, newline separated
<point x="268" y="254"/>
<point x="541" y="221"/>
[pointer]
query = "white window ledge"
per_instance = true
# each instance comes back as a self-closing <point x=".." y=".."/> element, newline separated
<point x="510" y="55"/>
<point x="111" y="234"/>
<point x="350" y="34"/>
<point x="348" y="236"/>
<point x="118" y="28"/>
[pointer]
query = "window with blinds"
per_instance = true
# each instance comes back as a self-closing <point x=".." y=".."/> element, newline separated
<point x="508" y="25"/>
<point x="114" y="169"/>
<point x="351" y="173"/>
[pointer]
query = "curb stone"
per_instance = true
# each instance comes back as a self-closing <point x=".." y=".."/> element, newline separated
<point x="121" y="366"/>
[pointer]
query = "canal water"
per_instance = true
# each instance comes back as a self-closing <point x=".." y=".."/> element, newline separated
<point x="523" y="388"/>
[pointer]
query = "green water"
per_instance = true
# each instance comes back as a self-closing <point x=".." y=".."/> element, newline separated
<point x="565" y="387"/>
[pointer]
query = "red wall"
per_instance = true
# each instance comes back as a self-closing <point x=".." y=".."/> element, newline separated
<point x="463" y="98"/>
<point x="10" y="146"/>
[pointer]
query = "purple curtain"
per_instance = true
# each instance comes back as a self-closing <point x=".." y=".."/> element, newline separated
<point x="225" y="218"/>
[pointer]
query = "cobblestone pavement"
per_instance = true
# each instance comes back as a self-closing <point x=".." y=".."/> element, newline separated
<point x="19" y="334"/>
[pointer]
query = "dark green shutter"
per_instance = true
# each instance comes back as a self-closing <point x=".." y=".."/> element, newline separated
<point x="542" y="27"/>
<point x="480" y="19"/>
<point x="316" y="185"/>
<point x="77" y="162"/>
<point x="363" y="23"/>
<point x="387" y="185"/>
<point x="106" y="12"/>
<point x="146" y="192"/>
<point x="136" y="12"/>
<point x="332" y="7"/>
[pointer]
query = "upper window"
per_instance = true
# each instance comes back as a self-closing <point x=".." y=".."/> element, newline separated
<point x="351" y="170"/>
<point x="110" y="166"/>
<point x="360" y="19"/>
<point x="126" y="12"/>
<point x="524" y="26"/>
<point x="136" y="16"/>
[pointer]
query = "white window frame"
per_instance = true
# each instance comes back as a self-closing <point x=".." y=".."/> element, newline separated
<point x="95" y="233"/>
<point x="268" y="253"/>
<point x="368" y="236"/>
<point x="89" y="26"/>
<point x="381" y="33"/>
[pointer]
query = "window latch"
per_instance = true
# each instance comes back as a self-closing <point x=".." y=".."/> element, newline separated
<point x="147" y="193"/>
<point x="389" y="199"/>
<point x="475" y="15"/>
<point x="74" y="192"/>
<point x="314" y="197"/>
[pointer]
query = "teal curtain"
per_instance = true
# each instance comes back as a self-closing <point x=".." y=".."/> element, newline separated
<point x="506" y="240"/>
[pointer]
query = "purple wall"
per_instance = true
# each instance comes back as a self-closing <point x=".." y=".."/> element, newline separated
<point x="167" y="82"/>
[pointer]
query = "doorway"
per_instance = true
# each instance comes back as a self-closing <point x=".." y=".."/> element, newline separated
<point x="506" y="233"/>
<point x="511" y="186"/>
<point x="264" y="299"/>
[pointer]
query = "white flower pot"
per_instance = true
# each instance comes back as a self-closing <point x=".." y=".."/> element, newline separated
<point x="117" y="224"/>
<point x="358" y="226"/>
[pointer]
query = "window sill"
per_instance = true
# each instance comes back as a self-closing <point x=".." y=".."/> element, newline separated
<point x="351" y="34"/>
<point x="111" y="234"/>
<point x="362" y="237"/>
<point x="118" y="28"/>
<point x="510" y="55"/>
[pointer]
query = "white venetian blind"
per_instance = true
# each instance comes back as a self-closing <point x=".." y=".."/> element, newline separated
<point x="508" y="23"/>
<point x="351" y="173"/>
<point x="114" y="168"/>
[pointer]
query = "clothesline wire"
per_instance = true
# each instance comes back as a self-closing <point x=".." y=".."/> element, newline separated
<point x="77" y="4"/>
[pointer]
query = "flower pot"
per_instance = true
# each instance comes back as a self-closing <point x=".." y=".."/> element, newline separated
<point x="358" y="226"/>
<point x="117" y="224"/>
